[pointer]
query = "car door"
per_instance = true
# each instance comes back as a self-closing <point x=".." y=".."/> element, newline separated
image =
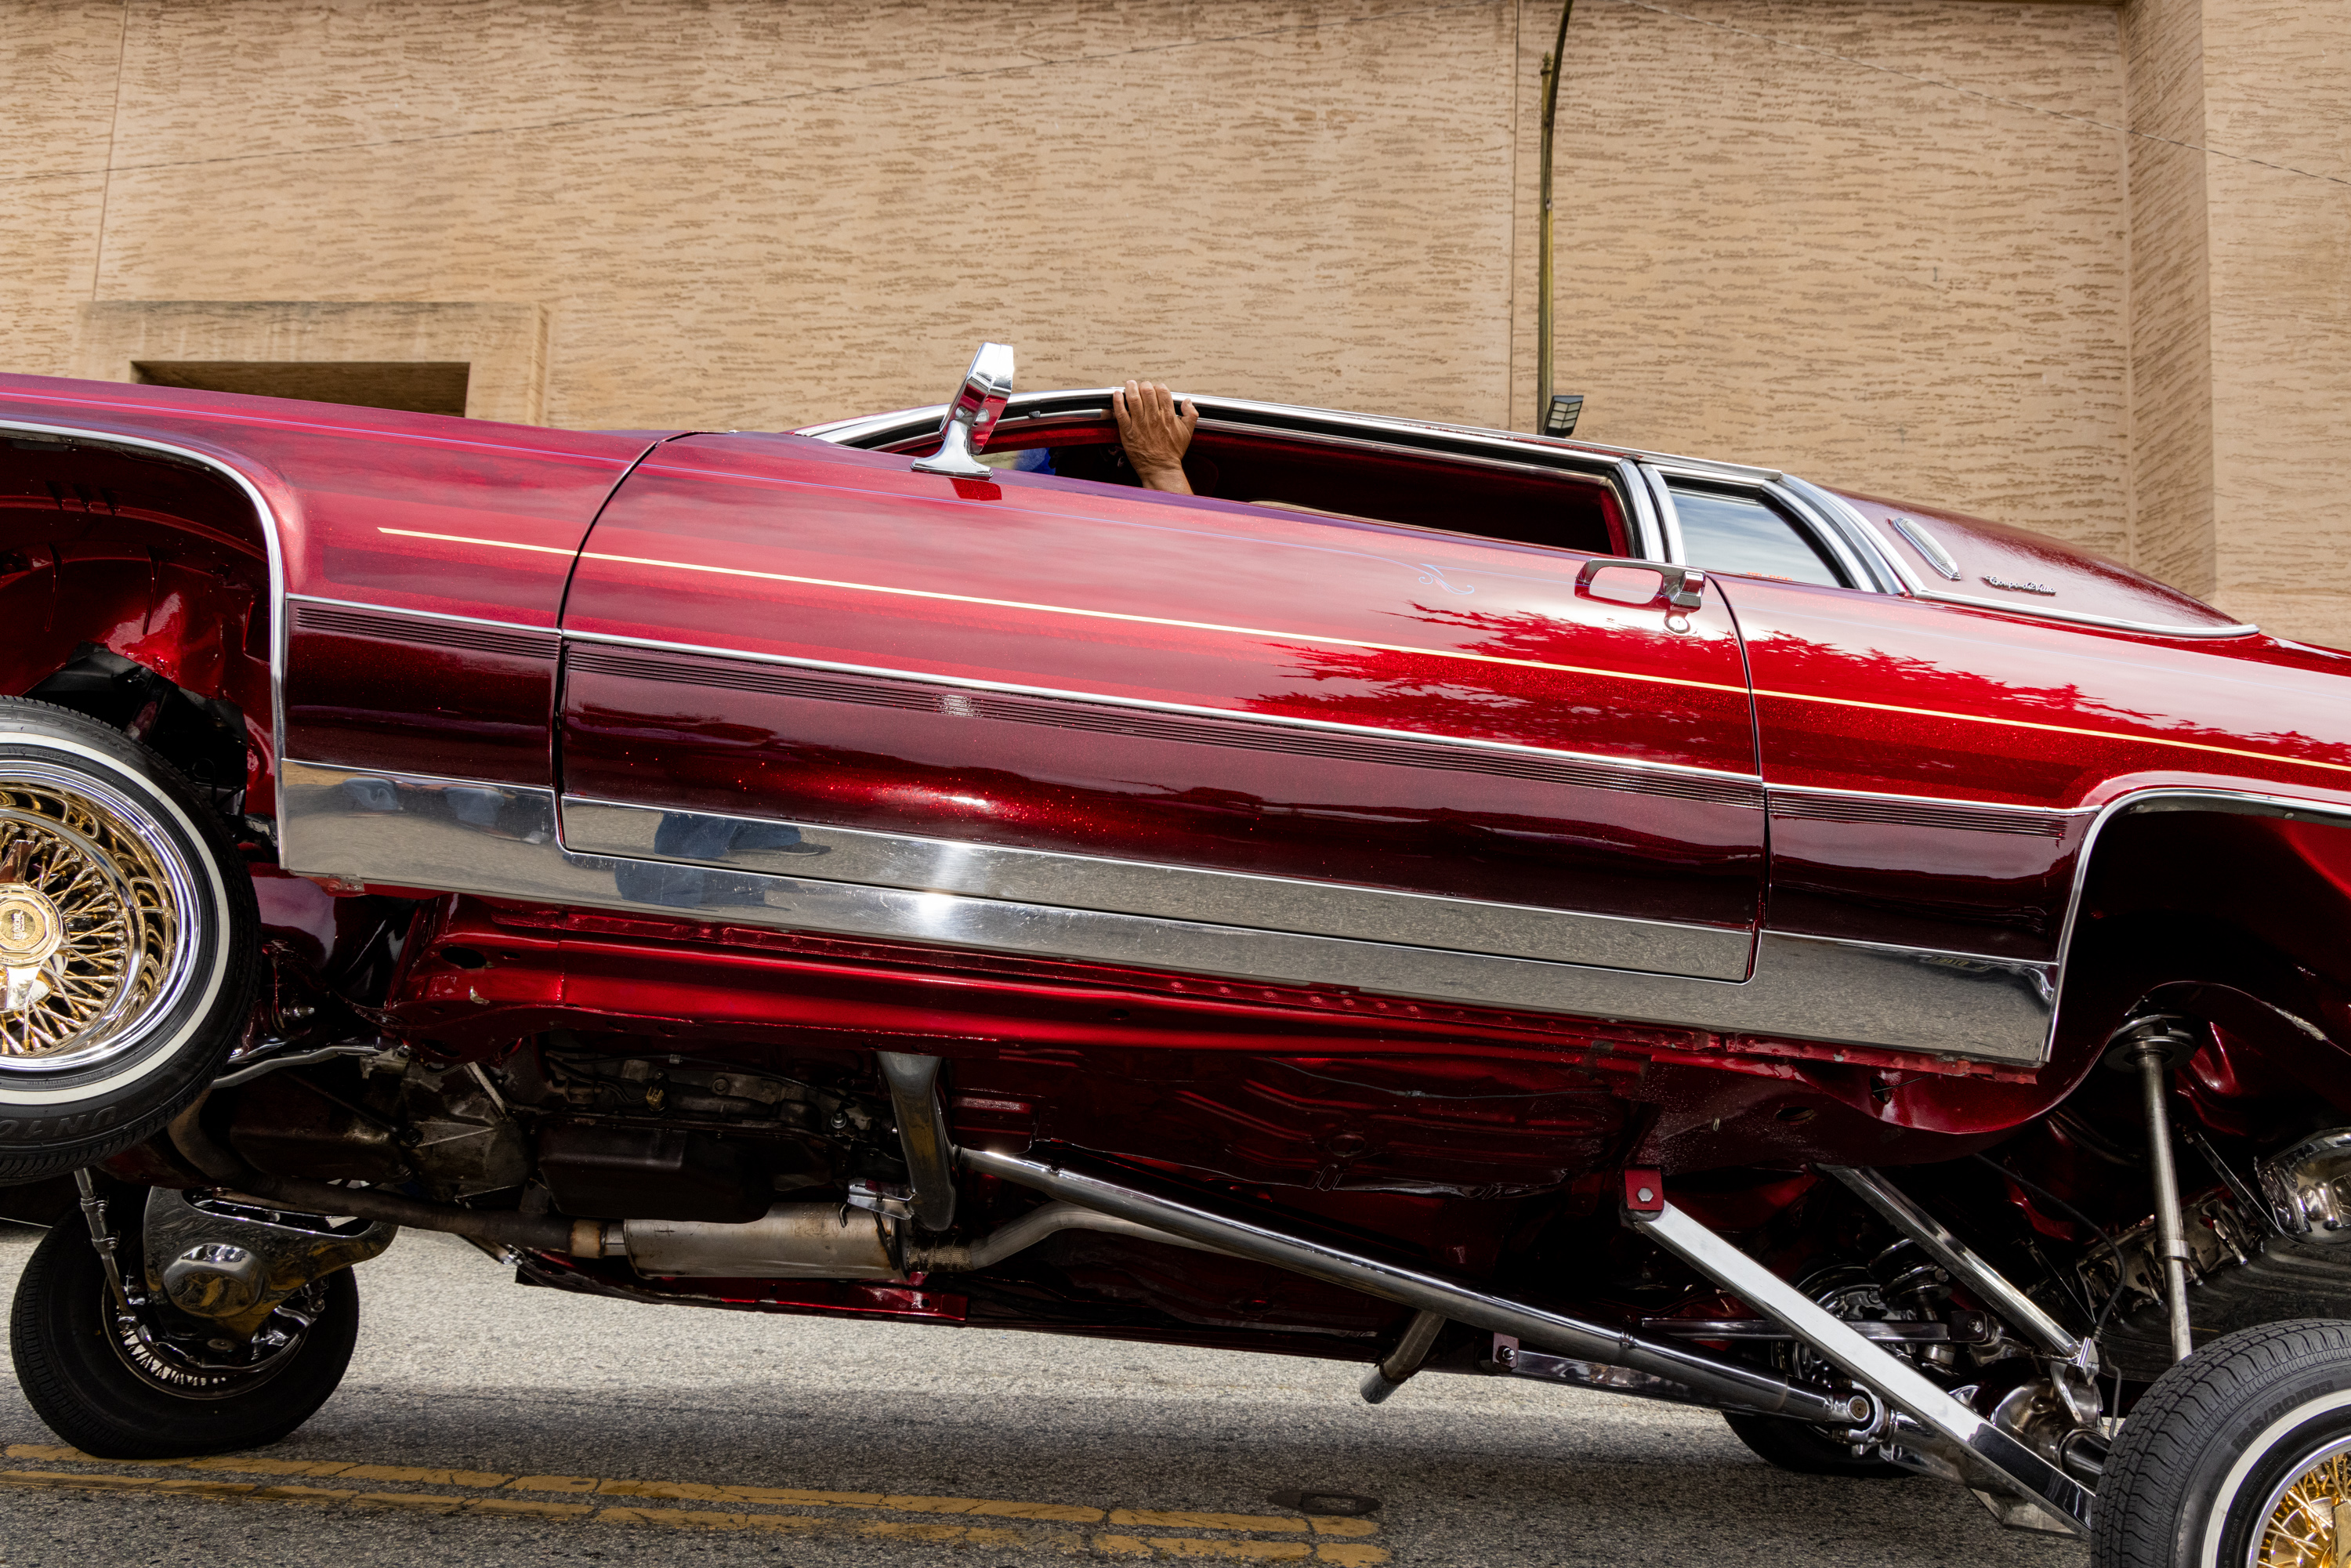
<point x="1189" y="717"/>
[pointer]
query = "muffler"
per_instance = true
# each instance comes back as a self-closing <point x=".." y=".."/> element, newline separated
<point x="790" y="1241"/>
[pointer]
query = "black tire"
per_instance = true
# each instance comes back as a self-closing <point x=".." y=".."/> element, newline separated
<point x="71" y="1093"/>
<point x="1804" y="1449"/>
<point x="86" y="1388"/>
<point x="2207" y="1453"/>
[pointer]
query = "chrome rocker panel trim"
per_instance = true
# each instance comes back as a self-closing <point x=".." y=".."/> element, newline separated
<point x="1175" y="892"/>
<point x="501" y="840"/>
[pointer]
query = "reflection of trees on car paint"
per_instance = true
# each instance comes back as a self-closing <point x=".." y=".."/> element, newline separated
<point x="1785" y="661"/>
<point x="1434" y="695"/>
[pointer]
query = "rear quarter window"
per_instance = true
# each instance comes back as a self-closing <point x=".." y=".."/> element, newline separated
<point x="1724" y="530"/>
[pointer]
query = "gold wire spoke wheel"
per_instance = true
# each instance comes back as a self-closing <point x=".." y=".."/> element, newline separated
<point x="2301" y="1528"/>
<point x="94" y="911"/>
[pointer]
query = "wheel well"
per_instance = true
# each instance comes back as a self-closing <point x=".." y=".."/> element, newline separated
<point x="2237" y="916"/>
<point x="135" y="586"/>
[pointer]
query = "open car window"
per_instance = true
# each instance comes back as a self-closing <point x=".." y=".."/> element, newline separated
<point x="1356" y="481"/>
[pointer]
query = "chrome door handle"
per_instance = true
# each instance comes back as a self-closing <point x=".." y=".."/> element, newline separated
<point x="1684" y="586"/>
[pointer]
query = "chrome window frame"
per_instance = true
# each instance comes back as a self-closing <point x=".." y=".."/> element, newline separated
<point x="1861" y="550"/>
<point x="1494" y="449"/>
<point x="1863" y="574"/>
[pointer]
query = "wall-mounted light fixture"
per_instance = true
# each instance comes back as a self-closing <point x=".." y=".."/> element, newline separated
<point x="1560" y="415"/>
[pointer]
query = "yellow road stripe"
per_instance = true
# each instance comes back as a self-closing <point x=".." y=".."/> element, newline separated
<point x="1347" y="1553"/>
<point x="163" y="1486"/>
<point x="1180" y="1521"/>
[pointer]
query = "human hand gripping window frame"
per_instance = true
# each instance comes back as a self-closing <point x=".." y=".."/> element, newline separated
<point x="1156" y="433"/>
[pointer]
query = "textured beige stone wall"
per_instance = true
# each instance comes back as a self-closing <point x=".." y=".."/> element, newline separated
<point x="2277" y="92"/>
<point x="57" y="60"/>
<point x="1813" y="236"/>
<point x="1286" y="199"/>
<point x="2171" y="334"/>
<point x="1903" y="244"/>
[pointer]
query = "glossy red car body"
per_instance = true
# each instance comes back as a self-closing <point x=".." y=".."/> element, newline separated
<point x="1412" y="879"/>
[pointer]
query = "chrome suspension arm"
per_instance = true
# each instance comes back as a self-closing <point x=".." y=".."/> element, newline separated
<point x="1128" y="1196"/>
<point x="1988" y="1285"/>
<point x="1987" y="1449"/>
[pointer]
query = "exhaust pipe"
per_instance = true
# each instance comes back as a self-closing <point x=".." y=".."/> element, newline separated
<point x="914" y="1083"/>
<point x="1728" y="1382"/>
<point x="830" y="1242"/>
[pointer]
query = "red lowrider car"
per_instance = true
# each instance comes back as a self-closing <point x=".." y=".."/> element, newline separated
<point x="1436" y="898"/>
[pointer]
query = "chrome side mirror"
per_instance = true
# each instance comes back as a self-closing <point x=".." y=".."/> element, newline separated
<point x="971" y="418"/>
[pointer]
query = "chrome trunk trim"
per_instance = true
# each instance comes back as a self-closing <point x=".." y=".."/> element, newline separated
<point x="1919" y="588"/>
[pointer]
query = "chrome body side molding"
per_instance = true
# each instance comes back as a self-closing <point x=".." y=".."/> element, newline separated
<point x="501" y="840"/>
<point x="1137" y="887"/>
<point x="430" y="628"/>
<point x="1741" y="789"/>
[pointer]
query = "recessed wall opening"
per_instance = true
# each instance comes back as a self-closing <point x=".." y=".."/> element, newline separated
<point x="418" y="386"/>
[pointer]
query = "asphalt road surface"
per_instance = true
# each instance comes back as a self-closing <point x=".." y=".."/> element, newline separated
<point x="483" y="1423"/>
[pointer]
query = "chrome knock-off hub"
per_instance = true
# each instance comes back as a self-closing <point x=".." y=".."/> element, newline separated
<point x="94" y="919"/>
<point x="31" y="930"/>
